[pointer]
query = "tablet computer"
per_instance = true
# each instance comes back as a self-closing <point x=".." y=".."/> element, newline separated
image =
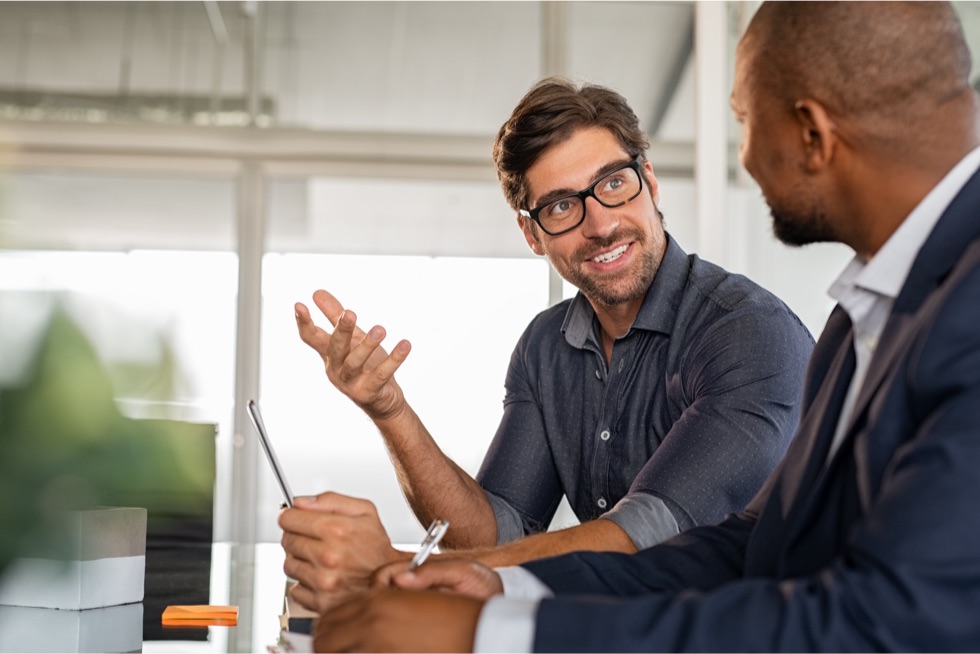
<point x="270" y="454"/>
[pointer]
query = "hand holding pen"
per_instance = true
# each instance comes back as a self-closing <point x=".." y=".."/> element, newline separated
<point x="432" y="537"/>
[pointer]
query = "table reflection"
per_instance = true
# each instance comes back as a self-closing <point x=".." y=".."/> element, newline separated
<point x="247" y="576"/>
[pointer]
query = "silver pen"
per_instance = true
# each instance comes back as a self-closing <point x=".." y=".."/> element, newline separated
<point x="432" y="537"/>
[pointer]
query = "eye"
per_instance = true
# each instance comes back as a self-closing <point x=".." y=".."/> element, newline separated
<point x="560" y="208"/>
<point x="613" y="183"/>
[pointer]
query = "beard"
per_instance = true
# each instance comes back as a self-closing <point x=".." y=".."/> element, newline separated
<point x="623" y="287"/>
<point x="798" y="228"/>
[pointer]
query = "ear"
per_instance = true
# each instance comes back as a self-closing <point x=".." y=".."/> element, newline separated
<point x="652" y="181"/>
<point x="530" y="235"/>
<point x="818" y="132"/>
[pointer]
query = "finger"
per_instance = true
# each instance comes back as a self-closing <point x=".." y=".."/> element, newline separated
<point x="304" y="530"/>
<point x="340" y="341"/>
<point x="407" y="579"/>
<point x="305" y="548"/>
<point x="364" y="349"/>
<point x="322" y="581"/>
<point x="304" y="573"/>
<point x="308" y="532"/>
<point x="455" y="575"/>
<point x="328" y="305"/>
<point x="331" y="502"/>
<point x="384" y="576"/>
<point x="296" y="521"/>
<point x="427" y="576"/>
<point x="302" y="314"/>
<point x="304" y="597"/>
<point x="387" y="368"/>
<point x="309" y="333"/>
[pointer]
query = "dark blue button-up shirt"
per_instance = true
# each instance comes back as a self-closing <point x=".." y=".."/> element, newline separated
<point x="695" y="409"/>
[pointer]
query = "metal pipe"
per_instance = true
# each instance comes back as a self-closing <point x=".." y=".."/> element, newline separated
<point x="220" y="34"/>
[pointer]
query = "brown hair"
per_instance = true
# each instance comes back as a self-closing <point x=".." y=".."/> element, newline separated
<point x="551" y="111"/>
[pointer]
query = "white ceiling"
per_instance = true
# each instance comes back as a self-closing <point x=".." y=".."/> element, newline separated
<point x="431" y="67"/>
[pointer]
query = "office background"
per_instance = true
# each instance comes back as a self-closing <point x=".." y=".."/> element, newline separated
<point x="186" y="171"/>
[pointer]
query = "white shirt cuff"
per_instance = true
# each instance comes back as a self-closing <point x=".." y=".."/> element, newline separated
<point x="507" y="623"/>
<point x="521" y="584"/>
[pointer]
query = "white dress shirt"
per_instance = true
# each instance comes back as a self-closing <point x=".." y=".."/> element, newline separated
<point x="867" y="290"/>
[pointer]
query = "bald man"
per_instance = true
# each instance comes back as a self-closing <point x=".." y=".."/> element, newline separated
<point x="860" y="126"/>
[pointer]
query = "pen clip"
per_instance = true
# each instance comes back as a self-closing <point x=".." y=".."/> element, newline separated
<point x="432" y="537"/>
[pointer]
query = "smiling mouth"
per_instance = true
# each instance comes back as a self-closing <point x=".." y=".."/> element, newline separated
<point x="612" y="255"/>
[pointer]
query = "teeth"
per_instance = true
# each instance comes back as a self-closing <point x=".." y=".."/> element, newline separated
<point x="611" y="256"/>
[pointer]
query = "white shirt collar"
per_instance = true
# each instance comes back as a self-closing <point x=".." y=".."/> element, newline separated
<point x="886" y="272"/>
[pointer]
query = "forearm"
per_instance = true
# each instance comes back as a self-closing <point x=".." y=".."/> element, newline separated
<point x="597" y="535"/>
<point x="434" y="485"/>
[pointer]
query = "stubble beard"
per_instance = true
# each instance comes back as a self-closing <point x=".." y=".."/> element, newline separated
<point x="623" y="287"/>
<point x="798" y="228"/>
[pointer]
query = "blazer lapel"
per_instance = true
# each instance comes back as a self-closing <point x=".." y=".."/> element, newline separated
<point x="785" y="495"/>
<point x="824" y="396"/>
<point x="956" y="229"/>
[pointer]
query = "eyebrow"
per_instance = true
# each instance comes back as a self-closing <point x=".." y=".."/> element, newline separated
<point x="557" y="193"/>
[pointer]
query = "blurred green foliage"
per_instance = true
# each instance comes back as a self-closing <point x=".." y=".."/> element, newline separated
<point x="64" y="445"/>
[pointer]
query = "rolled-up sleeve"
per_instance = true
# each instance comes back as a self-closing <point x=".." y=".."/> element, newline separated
<point x="518" y="473"/>
<point x="644" y="518"/>
<point x="742" y="381"/>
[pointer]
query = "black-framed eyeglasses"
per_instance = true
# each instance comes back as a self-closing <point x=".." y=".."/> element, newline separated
<point x="611" y="190"/>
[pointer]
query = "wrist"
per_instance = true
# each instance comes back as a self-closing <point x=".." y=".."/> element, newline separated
<point x="388" y="415"/>
<point x="399" y="423"/>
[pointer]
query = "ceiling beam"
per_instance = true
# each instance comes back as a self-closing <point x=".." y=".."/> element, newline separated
<point x="288" y="151"/>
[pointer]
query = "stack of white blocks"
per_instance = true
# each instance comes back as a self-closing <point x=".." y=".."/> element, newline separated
<point x="89" y="598"/>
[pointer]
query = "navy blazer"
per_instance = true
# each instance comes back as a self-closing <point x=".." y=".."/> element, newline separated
<point x="879" y="550"/>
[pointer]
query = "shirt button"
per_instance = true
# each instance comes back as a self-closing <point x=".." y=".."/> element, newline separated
<point x="604" y="435"/>
<point x="597" y="375"/>
<point x="602" y="502"/>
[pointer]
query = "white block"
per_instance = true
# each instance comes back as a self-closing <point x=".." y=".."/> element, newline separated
<point x="109" y="629"/>
<point x="103" y="563"/>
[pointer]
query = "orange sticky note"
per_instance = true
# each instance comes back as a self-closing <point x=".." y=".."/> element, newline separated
<point x="200" y="615"/>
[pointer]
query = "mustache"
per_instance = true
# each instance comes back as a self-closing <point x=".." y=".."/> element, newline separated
<point x="597" y="246"/>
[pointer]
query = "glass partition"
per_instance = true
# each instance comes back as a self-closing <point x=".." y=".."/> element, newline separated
<point x="142" y="264"/>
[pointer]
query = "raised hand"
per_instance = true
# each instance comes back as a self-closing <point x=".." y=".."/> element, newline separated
<point x="354" y="360"/>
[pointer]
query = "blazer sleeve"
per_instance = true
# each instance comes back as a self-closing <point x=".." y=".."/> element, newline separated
<point x="699" y="557"/>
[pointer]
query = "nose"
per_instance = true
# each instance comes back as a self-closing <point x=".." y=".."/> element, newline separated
<point x="599" y="221"/>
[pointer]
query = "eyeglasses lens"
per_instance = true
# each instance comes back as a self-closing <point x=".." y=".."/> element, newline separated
<point x="615" y="189"/>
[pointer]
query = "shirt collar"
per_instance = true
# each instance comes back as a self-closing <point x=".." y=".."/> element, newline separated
<point x="886" y="272"/>
<point x="659" y="308"/>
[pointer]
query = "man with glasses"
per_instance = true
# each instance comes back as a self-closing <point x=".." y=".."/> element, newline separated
<point x="860" y="124"/>
<point x="658" y="398"/>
